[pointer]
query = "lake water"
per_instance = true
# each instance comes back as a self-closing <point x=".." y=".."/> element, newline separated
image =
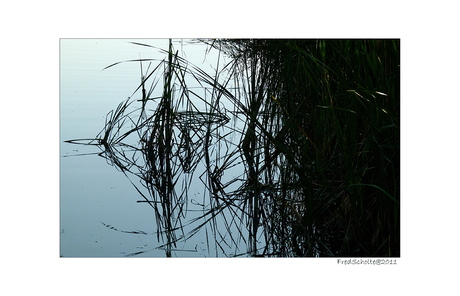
<point x="100" y="215"/>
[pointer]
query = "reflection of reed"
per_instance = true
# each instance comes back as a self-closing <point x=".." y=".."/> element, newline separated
<point x="170" y="141"/>
<point x="313" y="151"/>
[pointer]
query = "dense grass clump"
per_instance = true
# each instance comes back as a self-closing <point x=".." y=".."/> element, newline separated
<point x="326" y="114"/>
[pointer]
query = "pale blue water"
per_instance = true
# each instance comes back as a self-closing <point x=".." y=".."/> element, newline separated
<point x="96" y="198"/>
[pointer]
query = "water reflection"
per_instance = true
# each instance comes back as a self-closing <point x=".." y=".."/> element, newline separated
<point x="272" y="176"/>
<point x="168" y="143"/>
<point x="162" y="148"/>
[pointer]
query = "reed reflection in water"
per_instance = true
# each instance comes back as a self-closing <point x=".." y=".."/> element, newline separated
<point x="282" y="140"/>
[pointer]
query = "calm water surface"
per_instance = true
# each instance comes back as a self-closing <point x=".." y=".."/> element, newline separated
<point x="98" y="208"/>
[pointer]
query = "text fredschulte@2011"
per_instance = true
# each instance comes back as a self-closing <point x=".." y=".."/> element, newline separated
<point x="367" y="261"/>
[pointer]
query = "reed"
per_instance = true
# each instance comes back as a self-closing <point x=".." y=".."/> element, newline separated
<point x="333" y="108"/>
<point x="319" y="148"/>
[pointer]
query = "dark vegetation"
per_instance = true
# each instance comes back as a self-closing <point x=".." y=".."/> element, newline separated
<point x="318" y="148"/>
